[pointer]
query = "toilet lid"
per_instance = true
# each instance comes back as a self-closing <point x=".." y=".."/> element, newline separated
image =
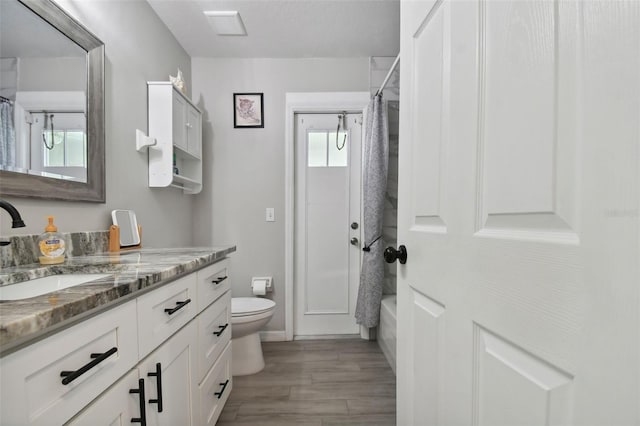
<point x="250" y="305"/>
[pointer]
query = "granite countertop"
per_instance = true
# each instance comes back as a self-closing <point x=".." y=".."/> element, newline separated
<point x="130" y="274"/>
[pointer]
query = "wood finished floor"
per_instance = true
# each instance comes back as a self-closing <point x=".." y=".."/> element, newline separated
<point x="315" y="383"/>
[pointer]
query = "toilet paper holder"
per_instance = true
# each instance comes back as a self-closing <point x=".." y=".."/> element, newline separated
<point x="268" y="282"/>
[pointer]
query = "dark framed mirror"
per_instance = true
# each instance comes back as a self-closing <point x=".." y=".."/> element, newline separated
<point x="64" y="126"/>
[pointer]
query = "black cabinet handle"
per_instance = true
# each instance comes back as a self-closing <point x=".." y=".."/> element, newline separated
<point x="70" y="376"/>
<point x="179" y="305"/>
<point x="218" y="280"/>
<point x="222" y="329"/>
<point x="224" y="386"/>
<point x="143" y="414"/>
<point x="158" y="375"/>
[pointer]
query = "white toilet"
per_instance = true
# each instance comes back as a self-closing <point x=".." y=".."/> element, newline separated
<point x="248" y="316"/>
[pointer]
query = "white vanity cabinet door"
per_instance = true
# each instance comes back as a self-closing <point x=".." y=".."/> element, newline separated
<point x="215" y="389"/>
<point x="164" y="311"/>
<point x="213" y="282"/>
<point x="31" y="382"/>
<point x="214" y="332"/>
<point x="176" y="362"/>
<point x="116" y="406"/>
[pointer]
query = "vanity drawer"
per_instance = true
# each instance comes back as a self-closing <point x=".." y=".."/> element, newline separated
<point x="94" y="353"/>
<point x="215" y="389"/>
<point x="214" y="331"/>
<point x="164" y="311"/>
<point x="213" y="281"/>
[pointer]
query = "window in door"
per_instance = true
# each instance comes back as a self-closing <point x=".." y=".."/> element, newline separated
<point x="67" y="149"/>
<point x="324" y="150"/>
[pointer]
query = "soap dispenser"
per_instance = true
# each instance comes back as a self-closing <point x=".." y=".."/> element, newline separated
<point x="51" y="245"/>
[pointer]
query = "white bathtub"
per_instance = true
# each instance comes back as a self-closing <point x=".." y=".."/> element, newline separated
<point x="387" y="329"/>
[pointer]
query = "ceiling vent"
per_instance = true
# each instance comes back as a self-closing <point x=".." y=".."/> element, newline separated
<point x="226" y="23"/>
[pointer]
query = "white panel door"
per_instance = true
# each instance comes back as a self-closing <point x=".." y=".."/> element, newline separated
<point x="327" y="266"/>
<point x="519" y="205"/>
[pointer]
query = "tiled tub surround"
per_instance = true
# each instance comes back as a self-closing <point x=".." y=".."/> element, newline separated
<point x="131" y="273"/>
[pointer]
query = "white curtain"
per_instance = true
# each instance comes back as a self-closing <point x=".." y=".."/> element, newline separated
<point x="7" y="135"/>
<point x="376" y="158"/>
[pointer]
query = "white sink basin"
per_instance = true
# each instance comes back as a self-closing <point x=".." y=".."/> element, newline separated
<point x="40" y="286"/>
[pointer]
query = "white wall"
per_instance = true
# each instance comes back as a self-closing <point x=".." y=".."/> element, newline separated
<point x="244" y="168"/>
<point x="138" y="48"/>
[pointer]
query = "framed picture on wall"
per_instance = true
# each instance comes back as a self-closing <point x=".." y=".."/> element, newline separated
<point x="248" y="110"/>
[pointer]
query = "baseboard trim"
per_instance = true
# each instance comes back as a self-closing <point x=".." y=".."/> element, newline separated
<point x="273" y="336"/>
<point x="280" y="336"/>
<point x="326" y="337"/>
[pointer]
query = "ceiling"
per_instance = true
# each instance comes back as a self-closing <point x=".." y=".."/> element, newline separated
<point x="287" y="28"/>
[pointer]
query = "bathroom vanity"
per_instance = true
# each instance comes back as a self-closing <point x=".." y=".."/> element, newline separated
<point x="149" y="343"/>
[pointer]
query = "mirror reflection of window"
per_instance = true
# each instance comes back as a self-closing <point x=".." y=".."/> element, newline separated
<point x="69" y="149"/>
<point x="323" y="150"/>
<point x="59" y="144"/>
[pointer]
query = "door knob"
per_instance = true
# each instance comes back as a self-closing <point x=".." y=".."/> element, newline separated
<point x="354" y="241"/>
<point x="391" y="254"/>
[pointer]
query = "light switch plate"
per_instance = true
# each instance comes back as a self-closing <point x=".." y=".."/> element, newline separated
<point x="270" y="215"/>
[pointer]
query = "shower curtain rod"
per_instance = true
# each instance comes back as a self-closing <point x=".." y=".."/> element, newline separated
<point x="53" y="111"/>
<point x="386" y="79"/>
<point x="7" y="100"/>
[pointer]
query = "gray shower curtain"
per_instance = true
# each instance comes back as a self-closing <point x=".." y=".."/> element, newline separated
<point x="376" y="156"/>
<point x="7" y="135"/>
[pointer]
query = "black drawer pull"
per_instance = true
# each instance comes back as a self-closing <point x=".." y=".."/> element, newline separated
<point x="224" y="386"/>
<point x="70" y="376"/>
<point x="222" y="329"/>
<point x="219" y="280"/>
<point x="143" y="413"/>
<point x="158" y="375"/>
<point x="179" y="305"/>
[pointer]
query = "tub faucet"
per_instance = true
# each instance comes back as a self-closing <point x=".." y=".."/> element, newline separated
<point x="15" y="217"/>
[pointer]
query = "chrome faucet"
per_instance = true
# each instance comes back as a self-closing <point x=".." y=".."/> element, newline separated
<point x="15" y="216"/>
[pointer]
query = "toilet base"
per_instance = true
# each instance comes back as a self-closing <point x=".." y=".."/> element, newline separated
<point x="247" y="355"/>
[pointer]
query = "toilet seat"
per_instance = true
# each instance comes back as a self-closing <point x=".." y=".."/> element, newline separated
<point x="245" y="306"/>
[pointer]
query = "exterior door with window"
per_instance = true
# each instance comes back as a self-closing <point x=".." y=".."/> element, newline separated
<point x="519" y="205"/>
<point x="327" y="226"/>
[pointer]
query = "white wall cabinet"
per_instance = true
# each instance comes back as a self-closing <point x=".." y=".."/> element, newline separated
<point x="176" y="123"/>
<point x="170" y="366"/>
